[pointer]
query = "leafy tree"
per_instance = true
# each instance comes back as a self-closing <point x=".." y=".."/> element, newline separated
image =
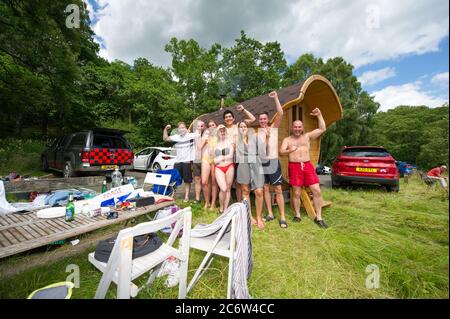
<point x="251" y="68"/>
<point x="196" y="71"/>
<point x="415" y="134"/>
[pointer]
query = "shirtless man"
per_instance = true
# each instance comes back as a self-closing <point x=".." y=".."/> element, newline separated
<point x="301" y="171"/>
<point x="271" y="164"/>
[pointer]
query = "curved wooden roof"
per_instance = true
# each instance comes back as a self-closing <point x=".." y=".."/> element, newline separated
<point x="316" y="91"/>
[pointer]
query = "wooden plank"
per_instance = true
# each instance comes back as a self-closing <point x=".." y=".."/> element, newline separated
<point x="24" y="233"/>
<point x="306" y="202"/>
<point x="49" y="184"/>
<point x="4" y="241"/>
<point x="41" y="228"/>
<point x="8" y="220"/>
<point x="62" y="223"/>
<point x="50" y="228"/>
<point x="32" y="231"/>
<point x="19" y="247"/>
<point x="17" y="234"/>
<point x="10" y="237"/>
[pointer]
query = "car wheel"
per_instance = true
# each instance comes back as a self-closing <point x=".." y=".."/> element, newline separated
<point x="68" y="171"/>
<point x="334" y="184"/>
<point x="393" y="188"/>
<point x="156" y="167"/>
<point x="45" y="164"/>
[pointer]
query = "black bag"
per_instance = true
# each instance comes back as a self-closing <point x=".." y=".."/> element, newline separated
<point x="142" y="245"/>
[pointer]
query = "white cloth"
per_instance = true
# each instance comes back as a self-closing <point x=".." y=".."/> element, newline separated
<point x="7" y="208"/>
<point x="184" y="146"/>
<point x="243" y="264"/>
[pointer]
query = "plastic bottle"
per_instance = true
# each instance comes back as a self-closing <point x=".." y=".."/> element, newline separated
<point x="104" y="188"/>
<point x="70" y="209"/>
<point x="116" y="178"/>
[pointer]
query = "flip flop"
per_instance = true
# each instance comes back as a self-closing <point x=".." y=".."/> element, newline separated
<point x="268" y="218"/>
<point x="283" y="224"/>
<point x="297" y="219"/>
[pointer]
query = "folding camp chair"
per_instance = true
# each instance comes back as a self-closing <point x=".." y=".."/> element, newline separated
<point x="122" y="269"/>
<point x="160" y="182"/>
<point x="223" y="244"/>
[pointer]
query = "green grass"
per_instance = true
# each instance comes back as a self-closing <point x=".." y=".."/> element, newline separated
<point x="404" y="234"/>
<point x="21" y="155"/>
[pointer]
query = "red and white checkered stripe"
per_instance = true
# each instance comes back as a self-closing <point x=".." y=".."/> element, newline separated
<point x="107" y="156"/>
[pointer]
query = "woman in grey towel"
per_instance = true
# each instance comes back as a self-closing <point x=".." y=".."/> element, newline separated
<point x="249" y="171"/>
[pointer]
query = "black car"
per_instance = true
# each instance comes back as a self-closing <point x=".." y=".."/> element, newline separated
<point x="100" y="150"/>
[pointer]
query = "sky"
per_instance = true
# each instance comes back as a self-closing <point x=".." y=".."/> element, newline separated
<point x="399" y="48"/>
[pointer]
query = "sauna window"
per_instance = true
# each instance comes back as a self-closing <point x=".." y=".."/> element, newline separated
<point x="297" y="113"/>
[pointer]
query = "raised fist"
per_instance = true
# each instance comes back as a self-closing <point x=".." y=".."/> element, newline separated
<point x="240" y="108"/>
<point x="316" y="112"/>
<point x="273" y="95"/>
<point x="168" y="127"/>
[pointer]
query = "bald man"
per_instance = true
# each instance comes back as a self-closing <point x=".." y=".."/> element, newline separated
<point x="301" y="170"/>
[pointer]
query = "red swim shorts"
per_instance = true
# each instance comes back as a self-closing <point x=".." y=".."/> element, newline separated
<point x="302" y="174"/>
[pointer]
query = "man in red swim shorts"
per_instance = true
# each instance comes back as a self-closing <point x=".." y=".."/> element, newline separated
<point x="301" y="171"/>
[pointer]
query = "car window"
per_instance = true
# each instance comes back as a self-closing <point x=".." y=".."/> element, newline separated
<point x="144" y="152"/>
<point x="365" y="152"/>
<point x="104" y="141"/>
<point x="78" y="140"/>
<point x="64" y="141"/>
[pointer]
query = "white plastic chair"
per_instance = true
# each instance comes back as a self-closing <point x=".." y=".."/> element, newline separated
<point x="122" y="269"/>
<point x="223" y="244"/>
<point x="158" y="179"/>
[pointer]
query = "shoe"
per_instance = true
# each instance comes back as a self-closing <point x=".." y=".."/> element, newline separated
<point x="320" y="223"/>
<point x="297" y="219"/>
<point x="268" y="218"/>
<point x="283" y="224"/>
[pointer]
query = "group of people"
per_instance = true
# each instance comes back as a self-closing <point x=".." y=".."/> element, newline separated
<point x="217" y="155"/>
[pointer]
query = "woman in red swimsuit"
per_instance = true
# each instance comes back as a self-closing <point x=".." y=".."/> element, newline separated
<point x="224" y="168"/>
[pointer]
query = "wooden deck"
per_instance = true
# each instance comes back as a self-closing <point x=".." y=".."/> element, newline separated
<point x="22" y="232"/>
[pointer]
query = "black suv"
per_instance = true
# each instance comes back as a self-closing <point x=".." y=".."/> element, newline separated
<point x="97" y="150"/>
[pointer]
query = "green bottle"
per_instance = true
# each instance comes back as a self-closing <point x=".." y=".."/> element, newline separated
<point x="104" y="189"/>
<point x="70" y="209"/>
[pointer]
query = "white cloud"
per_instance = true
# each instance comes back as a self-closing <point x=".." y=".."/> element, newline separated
<point x="441" y="79"/>
<point x="377" y="76"/>
<point x="406" y="94"/>
<point x="360" y="32"/>
<point x="90" y="9"/>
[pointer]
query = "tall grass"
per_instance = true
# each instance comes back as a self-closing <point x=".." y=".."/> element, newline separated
<point x="404" y="234"/>
<point x="21" y="155"/>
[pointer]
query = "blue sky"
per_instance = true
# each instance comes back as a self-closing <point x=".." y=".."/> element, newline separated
<point x="399" y="49"/>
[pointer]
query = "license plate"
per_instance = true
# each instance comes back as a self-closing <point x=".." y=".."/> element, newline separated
<point x="109" y="167"/>
<point x="366" y="170"/>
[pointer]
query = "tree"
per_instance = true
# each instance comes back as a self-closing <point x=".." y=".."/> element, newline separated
<point x="415" y="134"/>
<point x="251" y="68"/>
<point x="43" y="55"/>
<point x="196" y="71"/>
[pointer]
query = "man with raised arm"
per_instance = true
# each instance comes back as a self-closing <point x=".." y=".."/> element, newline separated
<point x="185" y="153"/>
<point x="271" y="164"/>
<point x="301" y="171"/>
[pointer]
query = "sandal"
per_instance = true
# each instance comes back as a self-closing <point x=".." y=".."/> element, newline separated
<point x="268" y="218"/>
<point x="283" y="224"/>
<point x="297" y="219"/>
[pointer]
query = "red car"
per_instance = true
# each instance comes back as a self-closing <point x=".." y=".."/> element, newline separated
<point x="365" y="164"/>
